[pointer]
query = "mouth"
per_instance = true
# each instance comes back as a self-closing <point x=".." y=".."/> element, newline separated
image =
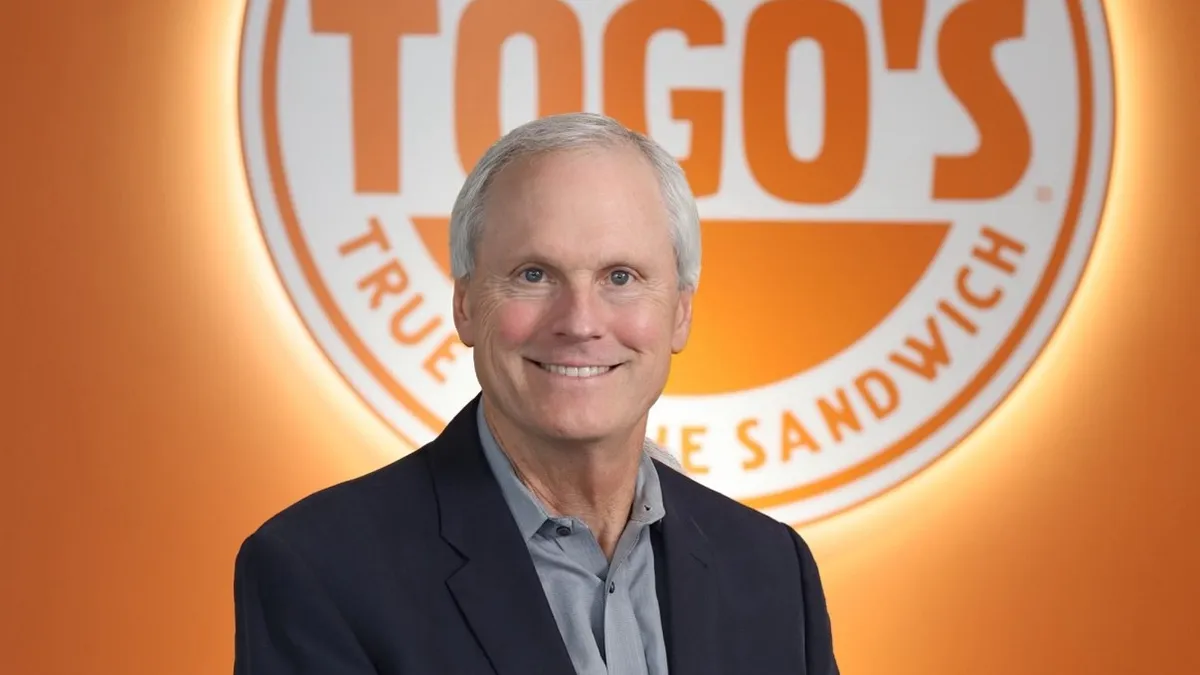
<point x="575" y="371"/>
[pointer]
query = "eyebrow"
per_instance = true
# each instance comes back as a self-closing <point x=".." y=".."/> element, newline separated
<point x="542" y="261"/>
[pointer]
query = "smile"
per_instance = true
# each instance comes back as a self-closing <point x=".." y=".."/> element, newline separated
<point x="574" y="371"/>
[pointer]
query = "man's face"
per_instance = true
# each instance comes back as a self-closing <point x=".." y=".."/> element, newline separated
<point x="574" y="307"/>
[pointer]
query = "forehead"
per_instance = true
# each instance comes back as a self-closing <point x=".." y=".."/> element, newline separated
<point x="575" y="204"/>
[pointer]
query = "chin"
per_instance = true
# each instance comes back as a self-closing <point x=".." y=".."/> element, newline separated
<point x="576" y="424"/>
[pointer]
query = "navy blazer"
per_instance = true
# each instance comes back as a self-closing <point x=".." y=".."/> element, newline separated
<point x="418" y="568"/>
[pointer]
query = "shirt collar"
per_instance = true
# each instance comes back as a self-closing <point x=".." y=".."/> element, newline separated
<point x="529" y="511"/>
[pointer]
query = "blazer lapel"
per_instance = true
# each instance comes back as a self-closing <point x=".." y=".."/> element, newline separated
<point x="497" y="588"/>
<point x="690" y="612"/>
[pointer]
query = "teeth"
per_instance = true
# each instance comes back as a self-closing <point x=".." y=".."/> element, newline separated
<point x="573" y="371"/>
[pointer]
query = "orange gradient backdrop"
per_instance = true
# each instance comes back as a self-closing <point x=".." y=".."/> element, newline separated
<point x="161" y="397"/>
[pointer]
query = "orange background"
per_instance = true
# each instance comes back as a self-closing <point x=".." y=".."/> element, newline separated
<point x="161" y="398"/>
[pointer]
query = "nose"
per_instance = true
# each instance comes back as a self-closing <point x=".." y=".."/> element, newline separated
<point x="578" y="312"/>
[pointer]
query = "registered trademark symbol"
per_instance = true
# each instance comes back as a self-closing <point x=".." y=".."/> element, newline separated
<point x="1044" y="193"/>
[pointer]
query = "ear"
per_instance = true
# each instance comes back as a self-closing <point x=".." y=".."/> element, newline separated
<point x="683" y="321"/>
<point x="463" y="312"/>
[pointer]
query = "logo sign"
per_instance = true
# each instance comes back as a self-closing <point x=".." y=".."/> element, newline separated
<point x="898" y="199"/>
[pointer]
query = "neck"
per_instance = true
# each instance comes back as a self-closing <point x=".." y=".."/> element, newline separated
<point x="593" y="481"/>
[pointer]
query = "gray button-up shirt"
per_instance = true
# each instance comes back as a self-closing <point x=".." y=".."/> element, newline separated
<point x="607" y="613"/>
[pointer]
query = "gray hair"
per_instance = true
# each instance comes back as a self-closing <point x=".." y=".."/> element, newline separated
<point x="567" y="132"/>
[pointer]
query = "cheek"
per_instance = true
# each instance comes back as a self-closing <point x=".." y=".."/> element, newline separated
<point x="643" y="327"/>
<point x="512" y="324"/>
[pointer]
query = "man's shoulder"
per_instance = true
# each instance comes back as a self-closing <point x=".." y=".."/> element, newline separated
<point x="718" y="516"/>
<point x="762" y="558"/>
<point x="396" y="497"/>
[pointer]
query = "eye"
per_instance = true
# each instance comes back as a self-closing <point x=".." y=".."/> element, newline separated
<point x="620" y="277"/>
<point x="533" y="275"/>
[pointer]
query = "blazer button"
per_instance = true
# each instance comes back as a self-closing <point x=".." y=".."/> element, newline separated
<point x="612" y="587"/>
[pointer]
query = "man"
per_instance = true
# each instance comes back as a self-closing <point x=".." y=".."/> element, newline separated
<point x="538" y="533"/>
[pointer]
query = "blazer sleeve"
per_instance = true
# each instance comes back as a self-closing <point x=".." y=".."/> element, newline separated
<point x="818" y="633"/>
<point x="285" y="621"/>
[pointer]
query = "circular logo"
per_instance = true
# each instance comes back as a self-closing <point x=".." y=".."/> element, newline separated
<point x="898" y="199"/>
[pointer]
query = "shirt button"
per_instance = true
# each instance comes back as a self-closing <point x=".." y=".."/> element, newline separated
<point x="563" y="530"/>
<point x="612" y="587"/>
